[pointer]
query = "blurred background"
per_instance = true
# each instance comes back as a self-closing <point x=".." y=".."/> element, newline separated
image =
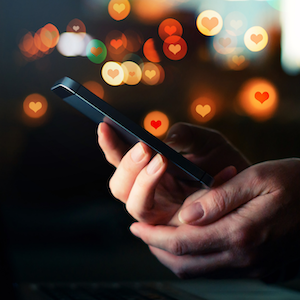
<point x="229" y="65"/>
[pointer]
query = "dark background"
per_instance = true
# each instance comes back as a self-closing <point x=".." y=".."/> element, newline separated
<point x="62" y="222"/>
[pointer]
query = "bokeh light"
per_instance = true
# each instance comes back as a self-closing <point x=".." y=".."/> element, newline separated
<point x="49" y="35"/>
<point x="70" y="44"/>
<point x="162" y="74"/>
<point x="96" y="51"/>
<point x="203" y="109"/>
<point x="76" y="26"/>
<point x="134" y="40"/>
<point x="237" y="62"/>
<point x="150" y="51"/>
<point x="38" y="42"/>
<point x="116" y="42"/>
<point x="209" y="22"/>
<point x="235" y="23"/>
<point x="157" y="123"/>
<point x="152" y="11"/>
<point x="258" y="98"/>
<point x="256" y="38"/>
<point x="133" y="57"/>
<point x="112" y="73"/>
<point x="35" y="105"/>
<point x="27" y="45"/>
<point x="95" y="88"/>
<point x="175" y="47"/>
<point x="275" y="3"/>
<point x="132" y="73"/>
<point x="150" y="74"/>
<point x="119" y="9"/>
<point x="169" y="27"/>
<point x="224" y="43"/>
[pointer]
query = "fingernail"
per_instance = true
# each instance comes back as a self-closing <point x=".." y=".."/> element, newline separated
<point x="155" y="164"/>
<point x="138" y="153"/>
<point x="191" y="213"/>
<point x="134" y="231"/>
<point x="99" y="131"/>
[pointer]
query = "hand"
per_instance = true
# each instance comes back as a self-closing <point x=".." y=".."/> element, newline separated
<point x="153" y="195"/>
<point x="249" y="226"/>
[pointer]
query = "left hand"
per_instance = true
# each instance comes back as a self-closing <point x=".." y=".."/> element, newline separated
<point x="250" y="226"/>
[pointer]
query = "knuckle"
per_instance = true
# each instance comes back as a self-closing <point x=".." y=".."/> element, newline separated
<point x="218" y="199"/>
<point x="242" y="238"/>
<point x="176" y="247"/>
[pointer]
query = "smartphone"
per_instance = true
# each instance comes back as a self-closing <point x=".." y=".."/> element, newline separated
<point x="100" y="111"/>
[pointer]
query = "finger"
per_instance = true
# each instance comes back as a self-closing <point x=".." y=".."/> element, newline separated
<point x="225" y="175"/>
<point x="203" y="147"/>
<point x="184" y="137"/>
<point x="128" y="169"/>
<point x="182" y="240"/>
<point x="112" y="146"/>
<point x="190" y="266"/>
<point x="223" y="199"/>
<point x="140" y="203"/>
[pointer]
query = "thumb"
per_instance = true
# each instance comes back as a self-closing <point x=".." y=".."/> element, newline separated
<point x="221" y="200"/>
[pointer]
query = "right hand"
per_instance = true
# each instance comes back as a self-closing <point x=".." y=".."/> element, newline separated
<point x="154" y="197"/>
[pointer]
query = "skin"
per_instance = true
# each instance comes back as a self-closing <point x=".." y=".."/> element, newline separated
<point x="250" y="226"/>
<point x="155" y="198"/>
<point x="250" y="221"/>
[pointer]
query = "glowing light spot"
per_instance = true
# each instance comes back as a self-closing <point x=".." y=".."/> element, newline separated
<point x="35" y="105"/>
<point x="134" y="40"/>
<point x="116" y="42"/>
<point x="38" y="42"/>
<point x="157" y="123"/>
<point x="275" y="4"/>
<point x="258" y="98"/>
<point x="224" y="43"/>
<point x="203" y="109"/>
<point x="70" y="44"/>
<point x="237" y="62"/>
<point x="95" y="88"/>
<point x="169" y="27"/>
<point x="151" y="74"/>
<point x="49" y="35"/>
<point x="161" y="74"/>
<point x="132" y="73"/>
<point x="133" y="57"/>
<point x="112" y="73"/>
<point x="96" y="51"/>
<point x="152" y="11"/>
<point x="256" y="38"/>
<point x="28" y="47"/>
<point x="235" y="23"/>
<point x="175" y="47"/>
<point x="76" y="26"/>
<point x="209" y="22"/>
<point x="119" y="9"/>
<point x="150" y="52"/>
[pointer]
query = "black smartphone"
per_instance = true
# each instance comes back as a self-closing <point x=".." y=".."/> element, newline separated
<point x="100" y="111"/>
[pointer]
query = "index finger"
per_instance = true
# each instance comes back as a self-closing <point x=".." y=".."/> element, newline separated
<point x="182" y="240"/>
<point x="113" y="147"/>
